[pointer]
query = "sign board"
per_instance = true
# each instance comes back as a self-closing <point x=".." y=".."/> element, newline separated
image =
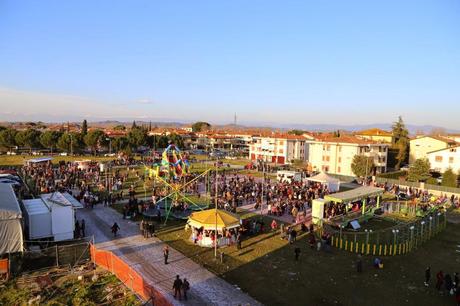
<point x="355" y="224"/>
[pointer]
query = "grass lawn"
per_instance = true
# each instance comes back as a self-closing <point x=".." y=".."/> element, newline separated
<point x="266" y="269"/>
<point x="18" y="160"/>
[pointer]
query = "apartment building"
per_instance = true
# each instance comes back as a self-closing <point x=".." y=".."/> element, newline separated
<point x="422" y="145"/>
<point x="335" y="154"/>
<point x="278" y="148"/>
<point x="443" y="159"/>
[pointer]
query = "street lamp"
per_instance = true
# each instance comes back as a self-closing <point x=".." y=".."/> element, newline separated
<point x="421" y="230"/>
<point x="411" y="235"/>
<point x="431" y="219"/>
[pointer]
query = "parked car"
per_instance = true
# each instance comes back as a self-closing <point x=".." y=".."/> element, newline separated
<point x="63" y="154"/>
<point x="11" y="153"/>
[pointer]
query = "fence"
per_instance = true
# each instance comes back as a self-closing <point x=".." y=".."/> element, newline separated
<point x="423" y="186"/>
<point x="127" y="276"/>
<point x="54" y="256"/>
<point x="4" y="269"/>
<point x="395" y="240"/>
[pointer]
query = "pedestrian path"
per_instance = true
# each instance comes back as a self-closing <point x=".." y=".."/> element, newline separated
<point x="146" y="257"/>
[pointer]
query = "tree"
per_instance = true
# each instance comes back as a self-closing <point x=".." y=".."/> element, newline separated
<point x="70" y="142"/>
<point x="137" y="137"/>
<point x="162" y="141"/>
<point x="94" y="139"/>
<point x="419" y="170"/>
<point x="362" y="165"/>
<point x="8" y="138"/>
<point x="29" y="138"/>
<point x="200" y="126"/>
<point x="134" y="126"/>
<point x="49" y="139"/>
<point x="449" y="178"/>
<point x="84" y="128"/>
<point x="120" y="144"/>
<point x="119" y="127"/>
<point x="296" y="132"/>
<point x="176" y="139"/>
<point x="401" y="141"/>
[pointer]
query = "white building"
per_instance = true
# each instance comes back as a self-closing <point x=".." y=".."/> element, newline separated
<point x="278" y="148"/>
<point x="335" y="154"/>
<point x="422" y="145"/>
<point x="443" y="159"/>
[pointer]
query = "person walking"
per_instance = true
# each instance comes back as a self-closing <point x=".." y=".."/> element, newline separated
<point x="115" y="229"/>
<point x="439" y="280"/>
<point x="82" y="227"/>
<point x="297" y="253"/>
<point x="185" y="288"/>
<point x="77" y="229"/>
<point x="177" y="286"/>
<point x="166" y="254"/>
<point x="238" y="241"/>
<point x="359" y="264"/>
<point x="152" y="229"/>
<point x="427" y="276"/>
<point x="142" y="228"/>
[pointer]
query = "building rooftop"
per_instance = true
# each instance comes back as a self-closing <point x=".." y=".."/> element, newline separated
<point x="374" y="132"/>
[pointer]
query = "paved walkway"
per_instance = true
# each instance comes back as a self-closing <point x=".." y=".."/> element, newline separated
<point x="146" y="257"/>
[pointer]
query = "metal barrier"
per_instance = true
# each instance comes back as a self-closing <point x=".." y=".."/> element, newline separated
<point x="127" y="276"/>
<point x="397" y="240"/>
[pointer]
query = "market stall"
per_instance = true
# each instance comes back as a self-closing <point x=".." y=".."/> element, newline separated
<point x="204" y="224"/>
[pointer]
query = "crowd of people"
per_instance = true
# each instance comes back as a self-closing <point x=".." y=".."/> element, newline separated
<point x="279" y="198"/>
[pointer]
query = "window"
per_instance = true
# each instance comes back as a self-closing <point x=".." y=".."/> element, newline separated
<point x="340" y="148"/>
<point x="338" y="169"/>
<point x="438" y="159"/>
<point x="280" y="151"/>
<point x="327" y="158"/>
<point x="451" y="160"/>
<point x="340" y="160"/>
<point x="281" y="142"/>
<point x="328" y="147"/>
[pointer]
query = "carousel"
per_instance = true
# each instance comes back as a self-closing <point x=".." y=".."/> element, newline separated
<point x="204" y="224"/>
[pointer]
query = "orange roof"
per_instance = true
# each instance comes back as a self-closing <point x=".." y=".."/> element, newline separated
<point x="344" y="139"/>
<point x="374" y="132"/>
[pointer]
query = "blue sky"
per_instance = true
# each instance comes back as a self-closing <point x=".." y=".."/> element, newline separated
<point x="344" y="62"/>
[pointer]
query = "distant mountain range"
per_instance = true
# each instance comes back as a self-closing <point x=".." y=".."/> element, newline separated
<point x="413" y="128"/>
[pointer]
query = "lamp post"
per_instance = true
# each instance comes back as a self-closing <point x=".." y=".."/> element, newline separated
<point x="215" y="212"/>
<point x="110" y="144"/>
<point x="421" y="230"/>
<point x="431" y="221"/>
<point x="437" y="221"/>
<point x="411" y="235"/>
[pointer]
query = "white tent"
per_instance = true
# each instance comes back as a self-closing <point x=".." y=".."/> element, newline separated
<point x="52" y="215"/>
<point x="38" y="219"/>
<point x="11" y="238"/>
<point x="332" y="184"/>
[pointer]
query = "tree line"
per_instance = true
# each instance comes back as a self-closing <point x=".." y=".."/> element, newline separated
<point x="78" y="142"/>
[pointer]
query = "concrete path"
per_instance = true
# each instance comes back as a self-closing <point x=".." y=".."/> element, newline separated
<point x="146" y="257"/>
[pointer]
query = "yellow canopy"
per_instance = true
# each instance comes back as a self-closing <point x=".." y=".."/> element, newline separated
<point x="207" y="219"/>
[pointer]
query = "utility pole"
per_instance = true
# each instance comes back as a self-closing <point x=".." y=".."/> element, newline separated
<point x="215" y="210"/>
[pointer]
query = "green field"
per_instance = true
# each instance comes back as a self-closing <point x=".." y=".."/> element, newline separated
<point x="18" y="160"/>
<point x="266" y="269"/>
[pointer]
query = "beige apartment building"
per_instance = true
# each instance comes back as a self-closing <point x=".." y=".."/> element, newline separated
<point x="335" y="154"/>
<point x="422" y="145"/>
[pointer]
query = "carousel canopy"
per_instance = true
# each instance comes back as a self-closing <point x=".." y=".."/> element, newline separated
<point x="207" y="219"/>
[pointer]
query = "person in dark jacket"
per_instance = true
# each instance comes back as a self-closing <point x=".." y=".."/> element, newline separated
<point x="427" y="276"/>
<point x="177" y="286"/>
